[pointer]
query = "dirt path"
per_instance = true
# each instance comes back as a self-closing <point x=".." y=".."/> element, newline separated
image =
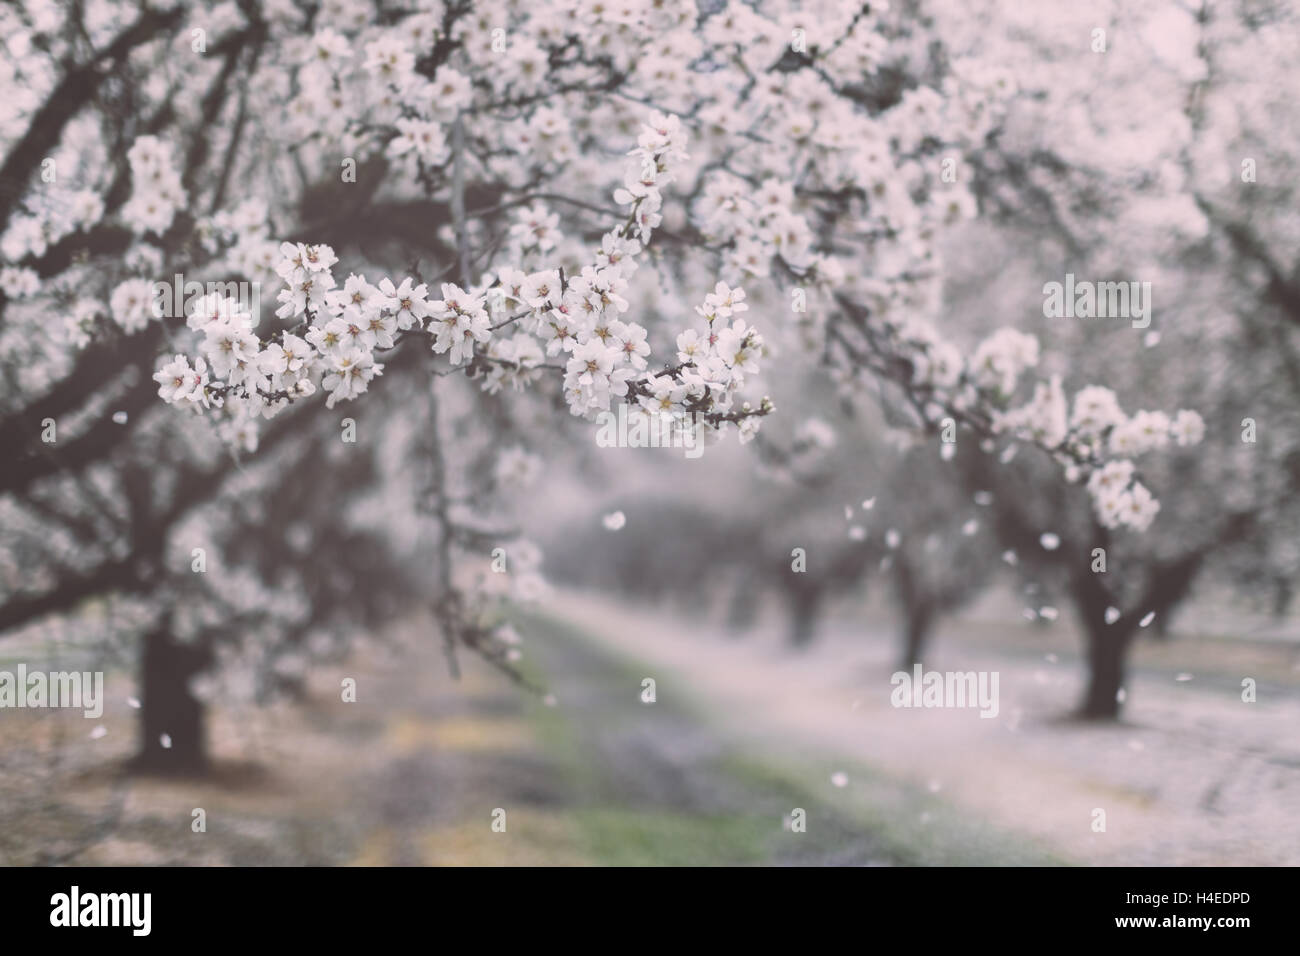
<point x="1195" y="776"/>
<point x="601" y="777"/>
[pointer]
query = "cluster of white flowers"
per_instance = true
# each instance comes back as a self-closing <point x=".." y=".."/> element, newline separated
<point x="1041" y="420"/>
<point x="131" y="304"/>
<point x="578" y="316"/>
<point x="581" y="316"/>
<point x="156" y="190"/>
<point x="19" y="283"/>
<point x="342" y="77"/>
<point x="1098" y="428"/>
<point x="1087" y="438"/>
<point x="49" y="221"/>
<point x="240" y="233"/>
<point x="1094" y="437"/>
<point x="1001" y="359"/>
<point x="1121" y="499"/>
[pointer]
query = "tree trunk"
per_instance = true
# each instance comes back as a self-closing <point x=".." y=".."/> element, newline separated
<point x="1108" y="646"/>
<point x="168" y="708"/>
<point x="920" y="618"/>
<point x="916" y="608"/>
<point x="1167" y="586"/>
<point x="1106" y="653"/>
<point x="804" y="605"/>
<point x="743" y="608"/>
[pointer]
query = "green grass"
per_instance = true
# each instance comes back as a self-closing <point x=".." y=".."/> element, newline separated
<point x="621" y="837"/>
<point x="877" y="819"/>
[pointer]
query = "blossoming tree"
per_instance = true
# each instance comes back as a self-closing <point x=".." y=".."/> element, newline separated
<point x="1181" y="182"/>
<point x="487" y="219"/>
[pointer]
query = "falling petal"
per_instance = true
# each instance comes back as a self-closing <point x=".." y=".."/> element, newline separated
<point x="1047" y="613"/>
<point x="120" y="418"/>
<point x="868" y="504"/>
<point x="133" y="702"/>
<point x="1112" y="615"/>
<point x="166" y="741"/>
<point x="983" y="498"/>
<point x="1150" y="616"/>
<point x="970" y="527"/>
<point x="1009" y="557"/>
<point x="1049" y="541"/>
<point x="98" y="732"/>
<point x="1183" y="677"/>
<point x="840" y="779"/>
<point x="858" y="533"/>
<point x="614" y="520"/>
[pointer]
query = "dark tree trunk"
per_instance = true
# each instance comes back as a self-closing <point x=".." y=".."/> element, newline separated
<point x="916" y="607"/>
<point x="1107" y="650"/>
<point x="167" y="707"/>
<point x="804" y="605"/>
<point x="743" y="608"/>
<point x="1167" y="585"/>
<point x="920" y="619"/>
<point x="1282" y="594"/>
<point x="1107" y="644"/>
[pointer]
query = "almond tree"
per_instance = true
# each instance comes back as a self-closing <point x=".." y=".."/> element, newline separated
<point x="1177" y="105"/>
<point x="485" y="219"/>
